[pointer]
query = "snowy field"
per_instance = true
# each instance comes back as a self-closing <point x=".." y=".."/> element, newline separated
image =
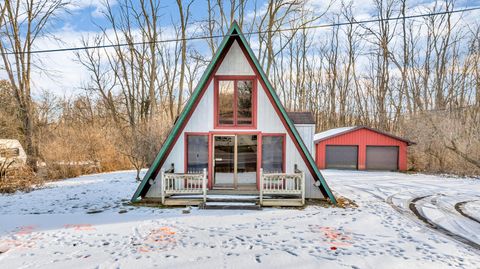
<point x="403" y="221"/>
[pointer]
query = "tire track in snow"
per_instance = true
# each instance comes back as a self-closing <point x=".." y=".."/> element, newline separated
<point x="431" y="224"/>
<point x="418" y="215"/>
<point x="460" y="209"/>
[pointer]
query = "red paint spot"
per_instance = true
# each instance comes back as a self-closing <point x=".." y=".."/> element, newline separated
<point x="25" y="230"/>
<point x="143" y="249"/>
<point x="80" y="227"/>
<point x="159" y="238"/>
<point x="333" y="248"/>
<point x="334" y="237"/>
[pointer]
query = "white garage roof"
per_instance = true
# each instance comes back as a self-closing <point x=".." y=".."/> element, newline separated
<point x="332" y="132"/>
<point x="337" y="131"/>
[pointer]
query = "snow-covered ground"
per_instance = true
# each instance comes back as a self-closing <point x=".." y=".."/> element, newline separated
<point x="86" y="222"/>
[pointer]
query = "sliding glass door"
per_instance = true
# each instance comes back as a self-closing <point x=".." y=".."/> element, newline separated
<point x="235" y="161"/>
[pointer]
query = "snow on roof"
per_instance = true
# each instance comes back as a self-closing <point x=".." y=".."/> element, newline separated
<point x="332" y="132"/>
<point x="337" y="131"/>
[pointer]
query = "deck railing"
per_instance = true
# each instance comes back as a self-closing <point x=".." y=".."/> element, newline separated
<point x="173" y="183"/>
<point x="282" y="184"/>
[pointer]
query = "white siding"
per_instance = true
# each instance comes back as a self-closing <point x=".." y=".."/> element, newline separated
<point x="235" y="63"/>
<point x="307" y="131"/>
<point x="202" y="120"/>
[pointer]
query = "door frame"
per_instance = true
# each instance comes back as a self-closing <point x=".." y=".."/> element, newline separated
<point x="211" y="179"/>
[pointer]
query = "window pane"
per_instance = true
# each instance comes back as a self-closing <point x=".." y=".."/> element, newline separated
<point x="244" y="106"/>
<point x="224" y="160"/>
<point x="272" y="154"/>
<point x="225" y="102"/>
<point x="247" y="159"/>
<point x="197" y="156"/>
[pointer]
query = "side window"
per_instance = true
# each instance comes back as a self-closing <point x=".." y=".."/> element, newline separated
<point x="273" y="154"/>
<point x="197" y="153"/>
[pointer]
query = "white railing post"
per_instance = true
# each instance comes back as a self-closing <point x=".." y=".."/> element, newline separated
<point x="302" y="185"/>
<point x="163" y="184"/>
<point x="204" y="185"/>
<point x="261" y="186"/>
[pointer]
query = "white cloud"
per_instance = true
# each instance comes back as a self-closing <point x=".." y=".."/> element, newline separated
<point x="59" y="72"/>
<point x="97" y="5"/>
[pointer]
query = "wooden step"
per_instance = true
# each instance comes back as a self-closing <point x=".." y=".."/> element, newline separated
<point x="231" y="205"/>
<point x="232" y="198"/>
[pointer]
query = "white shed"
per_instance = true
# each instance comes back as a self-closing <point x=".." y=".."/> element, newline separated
<point x="12" y="150"/>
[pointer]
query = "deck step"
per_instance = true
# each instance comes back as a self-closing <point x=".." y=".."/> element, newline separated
<point x="232" y="199"/>
<point x="231" y="205"/>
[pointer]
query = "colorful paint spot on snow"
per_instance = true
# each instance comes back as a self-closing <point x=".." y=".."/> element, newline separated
<point x="333" y="237"/>
<point x="80" y="227"/>
<point x="24" y="230"/>
<point x="162" y="238"/>
<point x="21" y="238"/>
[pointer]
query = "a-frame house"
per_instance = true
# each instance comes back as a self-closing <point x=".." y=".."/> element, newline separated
<point x="233" y="137"/>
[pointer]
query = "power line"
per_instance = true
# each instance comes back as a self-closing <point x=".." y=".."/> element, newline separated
<point x="251" y="33"/>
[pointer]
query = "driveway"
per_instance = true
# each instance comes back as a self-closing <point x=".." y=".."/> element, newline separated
<point x="86" y="222"/>
<point x="447" y="205"/>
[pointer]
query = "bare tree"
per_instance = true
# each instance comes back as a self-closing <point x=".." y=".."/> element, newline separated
<point x="184" y="20"/>
<point x="22" y="23"/>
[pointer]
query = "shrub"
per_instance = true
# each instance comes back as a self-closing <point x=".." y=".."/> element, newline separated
<point x="19" y="179"/>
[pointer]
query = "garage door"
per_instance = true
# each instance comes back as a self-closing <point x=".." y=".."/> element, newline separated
<point x="341" y="157"/>
<point x="382" y="158"/>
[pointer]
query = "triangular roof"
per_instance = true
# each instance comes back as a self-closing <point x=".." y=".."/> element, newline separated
<point x="344" y="130"/>
<point x="234" y="33"/>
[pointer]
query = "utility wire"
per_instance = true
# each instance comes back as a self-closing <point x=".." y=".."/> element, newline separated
<point x="250" y="33"/>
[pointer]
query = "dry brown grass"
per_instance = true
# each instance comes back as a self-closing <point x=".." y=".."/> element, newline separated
<point x="447" y="142"/>
<point x="19" y="179"/>
<point x="344" y="202"/>
<point x="74" y="150"/>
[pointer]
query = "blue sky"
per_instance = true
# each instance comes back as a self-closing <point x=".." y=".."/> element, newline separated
<point x="66" y="76"/>
<point x="86" y="15"/>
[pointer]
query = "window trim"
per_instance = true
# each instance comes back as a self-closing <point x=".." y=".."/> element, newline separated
<point x="235" y="125"/>
<point x="284" y="149"/>
<point x="186" y="135"/>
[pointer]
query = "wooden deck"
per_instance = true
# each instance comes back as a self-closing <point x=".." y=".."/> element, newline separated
<point x="226" y="196"/>
<point x="276" y="189"/>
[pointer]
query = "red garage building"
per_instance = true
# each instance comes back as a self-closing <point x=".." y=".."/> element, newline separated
<point x="362" y="148"/>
